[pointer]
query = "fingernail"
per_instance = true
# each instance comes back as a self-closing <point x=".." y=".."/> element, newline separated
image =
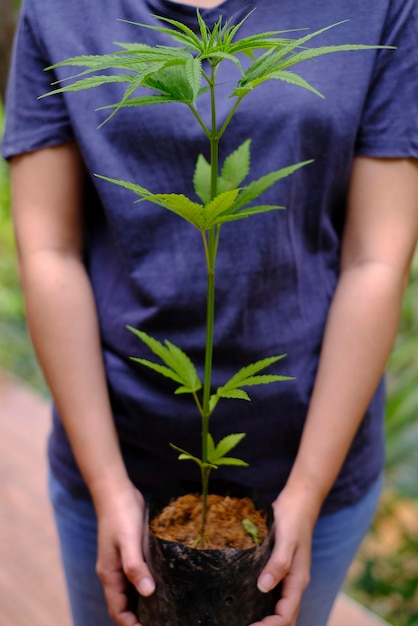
<point x="266" y="582"/>
<point x="146" y="587"/>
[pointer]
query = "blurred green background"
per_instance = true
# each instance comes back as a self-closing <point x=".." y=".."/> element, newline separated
<point x="385" y="575"/>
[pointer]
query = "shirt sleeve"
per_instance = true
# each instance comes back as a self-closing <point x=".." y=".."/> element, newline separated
<point x="32" y="124"/>
<point x="389" y="126"/>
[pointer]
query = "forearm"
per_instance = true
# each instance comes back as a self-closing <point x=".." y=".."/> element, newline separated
<point x="63" y="324"/>
<point x="359" y="335"/>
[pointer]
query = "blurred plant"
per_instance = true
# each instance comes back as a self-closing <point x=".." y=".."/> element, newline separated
<point x="16" y="354"/>
<point x="385" y="575"/>
<point x="402" y="403"/>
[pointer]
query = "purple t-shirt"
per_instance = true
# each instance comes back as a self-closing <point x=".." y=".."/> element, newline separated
<point x="276" y="273"/>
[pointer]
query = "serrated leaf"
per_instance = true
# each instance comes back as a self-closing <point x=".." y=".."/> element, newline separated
<point x="295" y="79"/>
<point x="141" y="101"/>
<point x="186" y="456"/>
<point x="243" y="213"/>
<point x="171" y="81"/>
<point x="227" y="460"/>
<point x="137" y="189"/>
<point x="201" y="179"/>
<point x="182" y="206"/>
<point x="203" y="29"/>
<point x="264" y="379"/>
<point x="161" y="369"/>
<point x="136" y="83"/>
<point x="250" y="370"/>
<point x="237" y="165"/>
<point x="222" y="56"/>
<point x="219" y="205"/>
<point x="88" y="83"/>
<point x="187" y="37"/>
<point x="184" y="389"/>
<point x="193" y="70"/>
<point x="210" y="446"/>
<point x="226" y="444"/>
<point x="238" y="394"/>
<point x="179" y="367"/>
<point x="257" y="187"/>
<point x="213" y="401"/>
<point x="182" y="363"/>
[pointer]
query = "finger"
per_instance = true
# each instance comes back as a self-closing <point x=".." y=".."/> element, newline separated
<point x="287" y="608"/>
<point x="114" y="585"/>
<point x="276" y="568"/>
<point x="136" y="570"/>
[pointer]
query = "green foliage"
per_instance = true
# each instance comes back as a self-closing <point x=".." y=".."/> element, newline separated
<point x="250" y="529"/>
<point x="402" y="401"/>
<point x="247" y="377"/>
<point x="16" y="354"/>
<point x="177" y="366"/>
<point x="177" y="74"/>
<point x="385" y="576"/>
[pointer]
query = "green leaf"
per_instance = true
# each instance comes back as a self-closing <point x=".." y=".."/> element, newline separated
<point x="186" y="456"/>
<point x="257" y="187"/>
<point x="227" y="460"/>
<point x="238" y="394"/>
<point x="185" y="37"/>
<point x="237" y="165"/>
<point x="283" y="75"/>
<point x="203" y="29"/>
<point x="179" y="367"/>
<point x="176" y="203"/>
<point x="251" y="529"/>
<point x="201" y="179"/>
<point x="295" y="79"/>
<point x="193" y="70"/>
<point x="256" y="210"/>
<point x="219" y="205"/>
<point x="211" y="446"/>
<point x="183" y="389"/>
<point x="141" y="101"/>
<point x="88" y="83"/>
<point x="226" y="444"/>
<point x="192" y="212"/>
<point x="161" y="369"/>
<point x="265" y="379"/>
<point x="250" y="370"/>
<point x="172" y="81"/>
<point x="137" y="189"/>
<point x="136" y="83"/>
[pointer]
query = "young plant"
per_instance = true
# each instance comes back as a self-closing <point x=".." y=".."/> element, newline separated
<point x="177" y="74"/>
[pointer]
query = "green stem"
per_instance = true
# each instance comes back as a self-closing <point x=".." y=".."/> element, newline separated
<point x="229" y="118"/>
<point x="212" y="240"/>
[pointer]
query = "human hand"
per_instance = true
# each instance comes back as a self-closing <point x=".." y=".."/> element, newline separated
<point x="290" y="559"/>
<point x="120" y="560"/>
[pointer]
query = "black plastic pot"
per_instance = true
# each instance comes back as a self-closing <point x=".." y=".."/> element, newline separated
<point x="206" y="587"/>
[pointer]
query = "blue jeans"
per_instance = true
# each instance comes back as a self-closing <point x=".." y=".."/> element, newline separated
<point x="335" y="542"/>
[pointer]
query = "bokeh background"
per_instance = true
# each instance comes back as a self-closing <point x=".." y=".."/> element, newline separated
<point x="385" y="575"/>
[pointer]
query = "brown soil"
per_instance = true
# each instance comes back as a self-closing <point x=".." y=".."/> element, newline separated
<point x="181" y="521"/>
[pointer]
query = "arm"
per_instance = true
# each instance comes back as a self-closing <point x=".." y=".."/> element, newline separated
<point x="378" y="245"/>
<point x="46" y="197"/>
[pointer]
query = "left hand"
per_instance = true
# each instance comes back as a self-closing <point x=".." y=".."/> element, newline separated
<point x="290" y="560"/>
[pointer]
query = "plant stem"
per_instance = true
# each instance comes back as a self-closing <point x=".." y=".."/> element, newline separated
<point x="212" y="241"/>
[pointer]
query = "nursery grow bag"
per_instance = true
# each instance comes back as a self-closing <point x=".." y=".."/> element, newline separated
<point x="206" y="587"/>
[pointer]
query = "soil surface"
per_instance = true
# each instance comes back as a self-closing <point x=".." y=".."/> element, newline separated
<point x="181" y="521"/>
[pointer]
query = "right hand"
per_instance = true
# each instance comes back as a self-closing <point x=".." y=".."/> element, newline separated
<point x="120" y="557"/>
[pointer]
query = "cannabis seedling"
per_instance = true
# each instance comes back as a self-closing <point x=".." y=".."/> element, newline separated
<point x="177" y="74"/>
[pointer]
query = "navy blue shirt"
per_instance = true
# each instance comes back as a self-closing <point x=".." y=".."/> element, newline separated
<point x="276" y="274"/>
